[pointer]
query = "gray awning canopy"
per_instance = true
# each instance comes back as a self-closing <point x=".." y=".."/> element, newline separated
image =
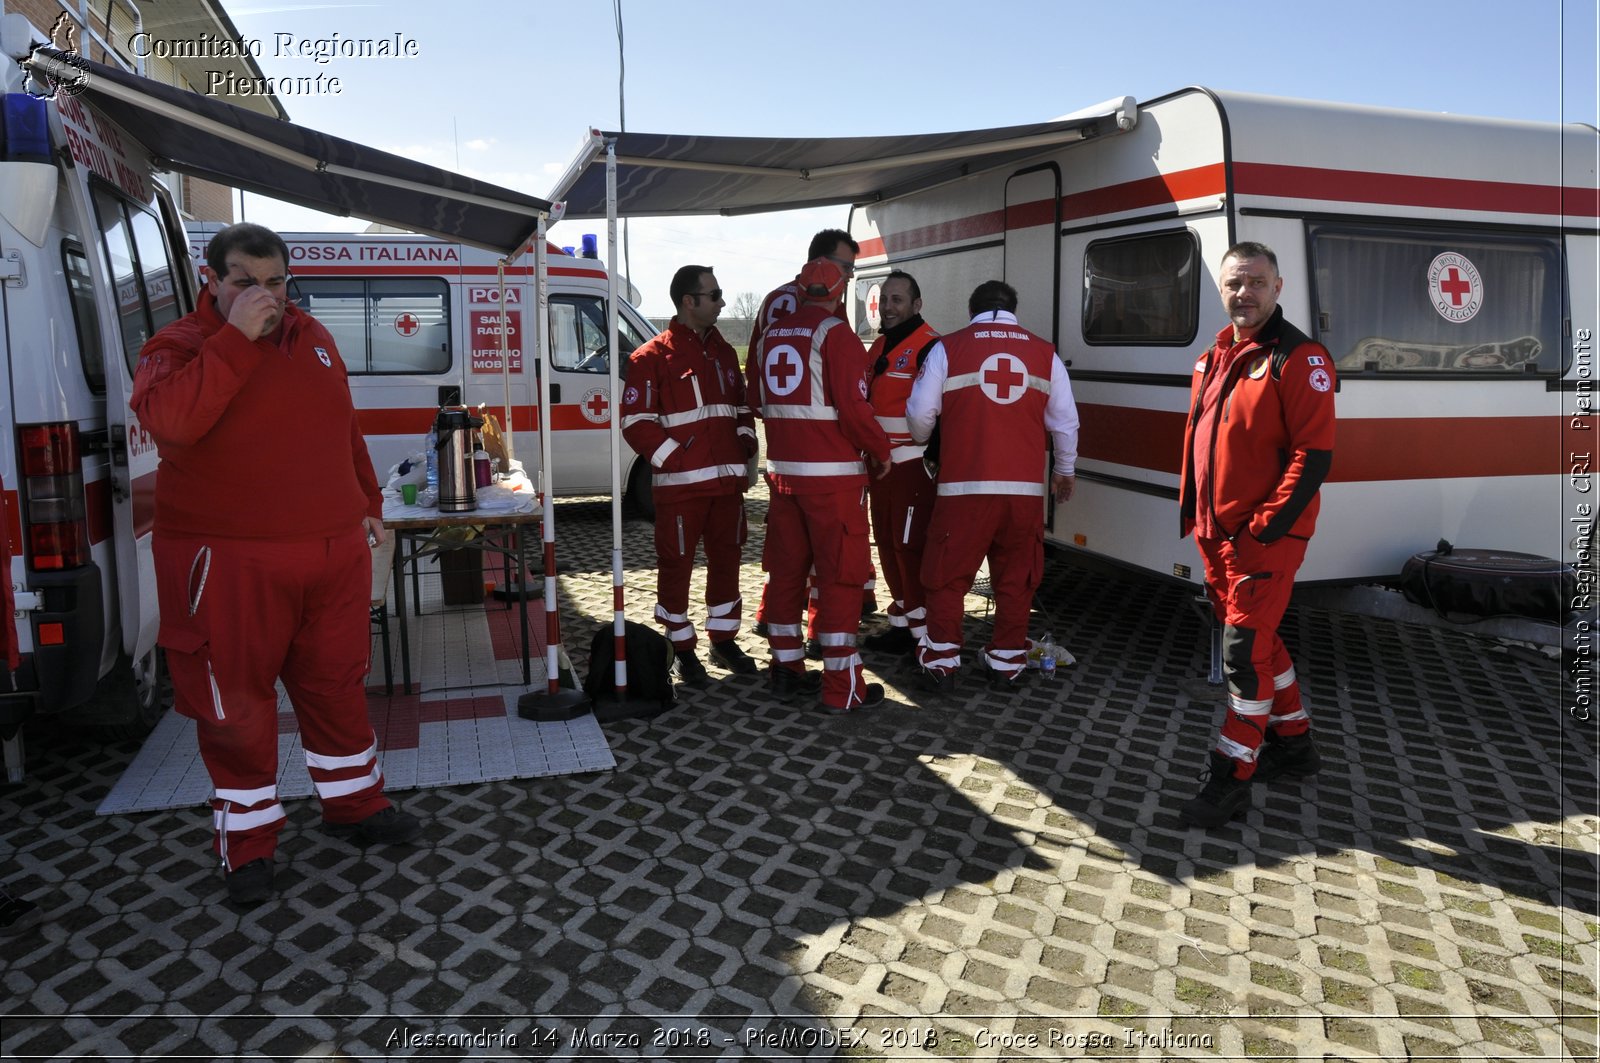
<point x="217" y="141"/>
<point x="663" y="173"/>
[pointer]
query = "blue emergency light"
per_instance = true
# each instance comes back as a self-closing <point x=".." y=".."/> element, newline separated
<point x="26" y="127"/>
<point x="591" y="245"/>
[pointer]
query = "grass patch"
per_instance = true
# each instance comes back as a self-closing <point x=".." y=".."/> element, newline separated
<point x="1202" y="996"/>
<point x="1345" y="960"/>
<point x="1556" y="950"/>
<point x="1271" y="976"/>
<point x="1418" y="977"/>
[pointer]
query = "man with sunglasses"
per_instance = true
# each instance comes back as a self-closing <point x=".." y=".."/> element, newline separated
<point x="684" y="411"/>
<point x="265" y="506"/>
<point x="837" y="247"/>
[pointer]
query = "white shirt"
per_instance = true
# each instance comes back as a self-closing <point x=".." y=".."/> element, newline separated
<point x="1060" y="412"/>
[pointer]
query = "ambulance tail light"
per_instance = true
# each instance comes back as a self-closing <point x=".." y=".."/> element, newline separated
<point x="55" y="529"/>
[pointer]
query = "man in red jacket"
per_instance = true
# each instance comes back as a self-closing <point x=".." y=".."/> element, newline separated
<point x="901" y="502"/>
<point x="808" y="382"/>
<point x="996" y="390"/>
<point x="1257" y="447"/>
<point x="684" y="411"/>
<point x="265" y="502"/>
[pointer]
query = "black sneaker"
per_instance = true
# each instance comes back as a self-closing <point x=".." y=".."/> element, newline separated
<point x="16" y="915"/>
<point x="813" y="649"/>
<point x="251" y="884"/>
<point x="936" y="682"/>
<point x="691" y="673"/>
<point x="1221" y="798"/>
<point x="1281" y="757"/>
<point x="389" y="826"/>
<point x="871" y="698"/>
<point x="1004" y="682"/>
<point x="786" y="684"/>
<point x="728" y="655"/>
<point x="890" y="640"/>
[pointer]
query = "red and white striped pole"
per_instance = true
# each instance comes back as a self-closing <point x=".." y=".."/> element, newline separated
<point x="619" y="624"/>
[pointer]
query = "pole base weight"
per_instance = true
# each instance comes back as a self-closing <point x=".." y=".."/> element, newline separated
<point x="553" y="708"/>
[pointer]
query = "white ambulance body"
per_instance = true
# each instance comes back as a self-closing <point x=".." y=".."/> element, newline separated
<point x="1448" y="264"/>
<point x="93" y="260"/>
<point x="418" y="325"/>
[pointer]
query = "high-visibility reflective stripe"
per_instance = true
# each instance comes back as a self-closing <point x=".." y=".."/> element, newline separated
<point x="971" y="380"/>
<point x="346" y="787"/>
<point x="228" y="821"/>
<point x="919" y="613"/>
<point x="216" y="692"/>
<point x="792" y="630"/>
<point x="662" y="452"/>
<point x="897" y="620"/>
<point x="799" y="413"/>
<point x="1283" y="680"/>
<point x="724" y="608"/>
<point x="1029" y="488"/>
<point x="355" y="760"/>
<point x="906" y="453"/>
<point x="894" y="425"/>
<point x="1229" y="748"/>
<point x="836" y="638"/>
<point x="795" y="654"/>
<point x="905" y="533"/>
<point x="671" y="618"/>
<point x="745" y="431"/>
<point x="1300" y="715"/>
<point x="839" y="664"/>
<point x="636" y="418"/>
<point x="716" y="624"/>
<point x="248" y="797"/>
<point x="695" y="476"/>
<point x="699" y="413"/>
<point x="1008" y="664"/>
<point x="1248" y="706"/>
<point x="939" y="662"/>
<point x="815" y="468"/>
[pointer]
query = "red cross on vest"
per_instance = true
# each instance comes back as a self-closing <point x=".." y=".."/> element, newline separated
<point x="1000" y="374"/>
<point x="783" y="365"/>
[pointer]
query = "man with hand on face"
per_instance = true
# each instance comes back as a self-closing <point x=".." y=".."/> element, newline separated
<point x="902" y="501"/>
<point x="1257" y="447"/>
<point x="684" y="411"/>
<point x="265" y="503"/>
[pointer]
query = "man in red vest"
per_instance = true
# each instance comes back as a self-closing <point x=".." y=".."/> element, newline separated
<point x="684" y="411"/>
<point x="808" y="383"/>
<point x="995" y="389"/>
<point x="1257" y="447"/>
<point x="902" y="501"/>
<point x="248" y="400"/>
<point x="837" y="246"/>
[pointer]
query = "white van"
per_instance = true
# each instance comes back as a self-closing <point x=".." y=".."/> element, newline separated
<point x="418" y="322"/>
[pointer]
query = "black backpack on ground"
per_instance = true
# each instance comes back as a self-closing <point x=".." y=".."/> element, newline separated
<point x="650" y="691"/>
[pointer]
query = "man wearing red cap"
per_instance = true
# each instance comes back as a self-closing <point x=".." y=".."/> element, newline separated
<point x="808" y="383"/>
<point x="996" y="390"/>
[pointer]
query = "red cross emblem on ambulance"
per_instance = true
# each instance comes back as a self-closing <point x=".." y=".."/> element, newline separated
<point x="407" y="324"/>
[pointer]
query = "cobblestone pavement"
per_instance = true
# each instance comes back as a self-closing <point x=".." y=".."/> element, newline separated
<point x="988" y="877"/>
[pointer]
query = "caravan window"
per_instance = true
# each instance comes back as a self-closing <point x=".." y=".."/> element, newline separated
<point x="382" y="326"/>
<point x="1394" y="300"/>
<point x="141" y="269"/>
<point x="1142" y="289"/>
<point x="578" y="334"/>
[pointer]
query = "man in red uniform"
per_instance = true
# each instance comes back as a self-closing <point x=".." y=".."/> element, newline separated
<point x="684" y="411"/>
<point x="1258" y="445"/>
<point x="995" y="389"/>
<point x="265" y="502"/>
<point x="836" y="246"/>
<point x="808" y="382"/>
<point x="901" y="502"/>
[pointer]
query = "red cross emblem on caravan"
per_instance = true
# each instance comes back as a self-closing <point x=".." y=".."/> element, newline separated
<point x="1002" y="378"/>
<point x="1455" y="286"/>
<point x="407" y="324"/>
<point x="783" y="370"/>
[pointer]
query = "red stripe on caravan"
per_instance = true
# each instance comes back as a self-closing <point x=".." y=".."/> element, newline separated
<point x="1365" y="448"/>
<point x="1447" y="193"/>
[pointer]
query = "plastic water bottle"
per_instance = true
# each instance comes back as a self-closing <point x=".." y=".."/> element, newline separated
<point x="433" y="461"/>
<point x="1047" y="657"/>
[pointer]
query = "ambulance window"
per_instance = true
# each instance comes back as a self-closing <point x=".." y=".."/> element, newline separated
<point x="1142" y="289"/>
<point x="341" y="307"/>
<point x="399" y="326"/>
<point x="80" y="293"/>
<point x="1395" y="300"/>
<point x="156" y="266"/>
<point x="578" y="334"/>
<point x="131" y="313"/>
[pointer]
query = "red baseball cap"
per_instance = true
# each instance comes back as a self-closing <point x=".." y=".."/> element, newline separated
<point x="822" y="280"/>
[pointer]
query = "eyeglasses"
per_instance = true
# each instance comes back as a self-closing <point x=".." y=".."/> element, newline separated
<point x="847" y="268"/>
<point x="714" y="294"/>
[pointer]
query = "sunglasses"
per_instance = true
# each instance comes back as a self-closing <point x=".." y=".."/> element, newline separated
<point x="715" y="293"/>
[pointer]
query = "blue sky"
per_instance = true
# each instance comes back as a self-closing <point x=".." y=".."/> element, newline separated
<point x="506" y="92"/>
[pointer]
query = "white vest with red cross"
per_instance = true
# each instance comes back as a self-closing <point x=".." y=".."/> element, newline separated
<point x="991" y="422"/>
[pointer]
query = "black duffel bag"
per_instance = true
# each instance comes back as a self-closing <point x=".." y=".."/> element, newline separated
<point x="1488" y="583"/>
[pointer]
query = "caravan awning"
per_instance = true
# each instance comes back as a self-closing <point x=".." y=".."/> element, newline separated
<point x="663" y="173"/>
<point x="210" y="139"/>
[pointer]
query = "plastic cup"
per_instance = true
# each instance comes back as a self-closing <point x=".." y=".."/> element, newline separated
<point x="408" y="494"/>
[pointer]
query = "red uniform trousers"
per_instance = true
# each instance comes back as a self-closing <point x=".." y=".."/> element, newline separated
<point x="1249" y="585"/>
<point x="829" y="531"/>
<point x="902" y="507"/>
<point x="1009" y="530"/>
<point x="236" y="616"/>
<point x="680" y="526"/>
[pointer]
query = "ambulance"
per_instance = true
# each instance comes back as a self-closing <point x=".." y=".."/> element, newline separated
<point x="1447" y="263"/>
<point x="422" y="322"/>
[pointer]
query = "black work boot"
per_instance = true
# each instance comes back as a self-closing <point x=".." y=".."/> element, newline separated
<point x="786" y="684"/>
<point x="890" y="640"/>
<point x="728" y="655"/>
<point x="1292" y="756"/>
<point x="691" y="673"/>
<point x="1221" y="798"/>
<point x="251" y="884"/>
